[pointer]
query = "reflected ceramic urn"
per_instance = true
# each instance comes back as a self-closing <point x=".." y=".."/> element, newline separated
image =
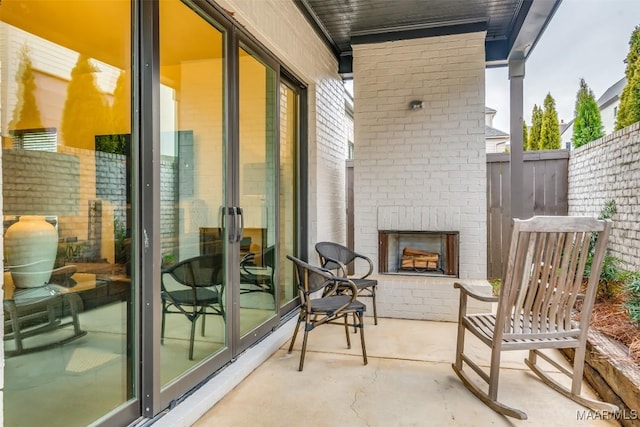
<point x="30" y="248"/>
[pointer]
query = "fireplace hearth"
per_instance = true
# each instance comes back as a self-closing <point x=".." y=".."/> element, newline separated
<point x="430" y="253"/>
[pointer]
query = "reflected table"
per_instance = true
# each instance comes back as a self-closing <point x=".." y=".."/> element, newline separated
<point x="34" y="311"/>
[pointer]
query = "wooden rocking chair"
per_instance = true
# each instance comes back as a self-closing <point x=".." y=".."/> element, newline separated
<point x="542" y="281"/>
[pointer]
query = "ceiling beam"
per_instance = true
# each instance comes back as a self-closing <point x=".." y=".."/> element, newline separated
<point x="527" y="33"/>
<point x="346" y="58"/>
<point x="317" y="25"/>
<point x="418" y="33"/>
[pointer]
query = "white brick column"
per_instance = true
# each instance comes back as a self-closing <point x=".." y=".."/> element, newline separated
<point x="421" y="169"/>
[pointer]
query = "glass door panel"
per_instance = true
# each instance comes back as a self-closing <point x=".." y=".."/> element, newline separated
<point x="289" y="135"/>
<point x="193" y="189"/>
<point x="257" y="191"/>
<point x="66" y="167"/>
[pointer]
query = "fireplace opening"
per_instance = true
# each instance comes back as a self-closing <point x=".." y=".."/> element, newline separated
<point x="431" y="253"/>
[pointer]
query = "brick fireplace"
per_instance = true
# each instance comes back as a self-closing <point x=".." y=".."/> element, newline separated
<point x="429" y="253"/>
<point x="421" y="170"/>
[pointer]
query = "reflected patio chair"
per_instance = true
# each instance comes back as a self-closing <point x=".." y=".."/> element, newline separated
<point x="193" y="288"/>
<point x="334" y="256"/>
<point x="542" y="282"/>
<point x="257" y="270"/>
<point x="328" y="308"/>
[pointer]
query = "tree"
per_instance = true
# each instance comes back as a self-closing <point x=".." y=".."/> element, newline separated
<point x="114" y="140"/>
<point x="629" y="108"/>
<point x="536" y="126"/>
<point x="525" y="136"/>
<point x="550" y="129"/>
<point x="85" y="113"/>
<point x="26" y="114"/>
<point x="587" y="125"/>
<point x="121" y="107"/>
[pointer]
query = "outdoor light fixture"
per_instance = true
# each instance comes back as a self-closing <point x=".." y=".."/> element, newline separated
<point x="416" y="105"/>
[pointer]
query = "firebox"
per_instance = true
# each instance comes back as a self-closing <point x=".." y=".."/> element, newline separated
<point x="418" y="252"/>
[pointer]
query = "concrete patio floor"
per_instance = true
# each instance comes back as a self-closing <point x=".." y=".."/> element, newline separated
<point x="408" y="382"/>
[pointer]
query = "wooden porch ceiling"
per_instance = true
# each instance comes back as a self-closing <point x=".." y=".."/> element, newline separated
<point x="512" y="26"/>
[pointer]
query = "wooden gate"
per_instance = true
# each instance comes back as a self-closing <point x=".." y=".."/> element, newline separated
<point x="545" y="193"/>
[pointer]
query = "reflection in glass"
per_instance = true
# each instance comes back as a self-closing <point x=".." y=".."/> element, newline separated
<point x="288" y="210"/>
<point x="192" y="189"/>
<point x="257" y="103"/>
<point x="66" y="169"/>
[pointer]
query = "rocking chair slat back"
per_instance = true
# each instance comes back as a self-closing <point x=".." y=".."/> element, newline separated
<point x="544" y="275"/>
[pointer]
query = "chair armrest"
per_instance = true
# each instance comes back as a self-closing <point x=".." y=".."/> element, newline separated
<point x="248" y="259"/>
<point x="366" y="258"/>
<point x="340" y="285"/>
<point x="342" y="270"/>
<point x="466" y="289"/>
<point x="346" y="284"/>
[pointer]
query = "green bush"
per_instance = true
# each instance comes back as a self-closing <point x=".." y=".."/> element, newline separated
<point x="632" y="304"/>
<point x="495" y="286"/>
<point x="120" y="242"/>
<point x="612" y="277"/>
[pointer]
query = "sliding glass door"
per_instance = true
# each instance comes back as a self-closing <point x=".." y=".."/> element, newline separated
<point x="193" y="190"/>
<point x="257" y="167"/>
<point x="153" y="146"/>
<point x="70" y="305"/>
<point x="288" y="210"/>
<point x="219" y="196"/>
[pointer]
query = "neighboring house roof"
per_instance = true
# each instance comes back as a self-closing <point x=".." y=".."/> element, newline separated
<point x="612" y="94"/>
<point x="565" y="126"/>
<point x="489" y="110"/>
<point x="490" y="132"/>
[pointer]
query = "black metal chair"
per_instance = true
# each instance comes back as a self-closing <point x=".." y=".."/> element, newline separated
<point x="328" y="308"/>
<point x="193" y="287"/>
<point x="257" y="270"/>
<point x="334" y="256"/>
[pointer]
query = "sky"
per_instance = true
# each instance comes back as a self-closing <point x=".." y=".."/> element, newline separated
<point x="585" y="39"/>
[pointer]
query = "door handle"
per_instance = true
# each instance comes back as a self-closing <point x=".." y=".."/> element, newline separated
<point x="231" y="212"/>
<point x="240" y="214"/>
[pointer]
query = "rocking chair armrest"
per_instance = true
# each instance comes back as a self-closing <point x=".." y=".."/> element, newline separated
<point x="466" y="290"/>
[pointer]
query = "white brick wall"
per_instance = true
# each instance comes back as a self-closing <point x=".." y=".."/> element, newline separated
<point x="609" y="169"/>
<point x="421" y="169"/>
<point x="432" y="298"/>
